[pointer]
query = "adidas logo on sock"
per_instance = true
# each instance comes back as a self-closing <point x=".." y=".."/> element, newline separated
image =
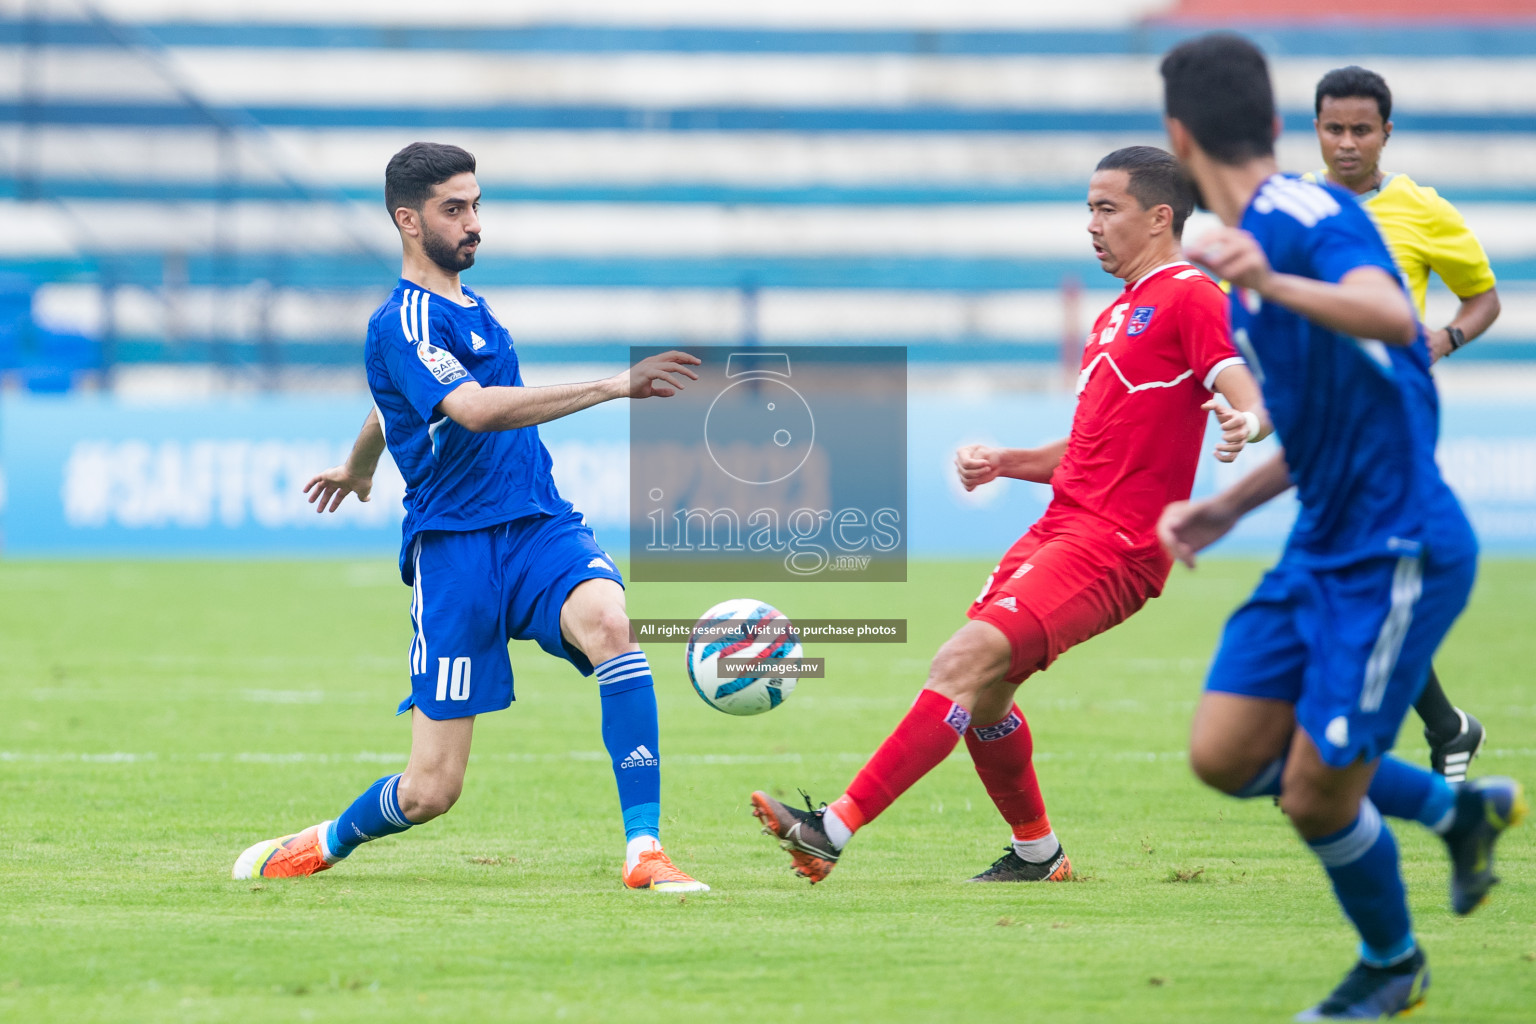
<point x="640" y="757"/>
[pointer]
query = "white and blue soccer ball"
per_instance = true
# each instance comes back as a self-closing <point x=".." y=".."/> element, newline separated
<point x="742" y="628"/>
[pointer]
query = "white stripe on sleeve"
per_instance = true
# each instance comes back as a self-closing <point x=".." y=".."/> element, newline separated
<point x="405" y="316"/>
<point x="1210" y="378"/>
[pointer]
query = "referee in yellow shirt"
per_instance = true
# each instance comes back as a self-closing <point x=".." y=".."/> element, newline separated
<point x="1425" y="233"/>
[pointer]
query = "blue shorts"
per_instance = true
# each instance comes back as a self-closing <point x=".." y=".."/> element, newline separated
<point x="472" y="592"/>
<point x="1349" y="647"/>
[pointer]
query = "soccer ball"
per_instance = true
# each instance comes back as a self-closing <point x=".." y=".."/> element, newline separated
<point x="741" y="628"/>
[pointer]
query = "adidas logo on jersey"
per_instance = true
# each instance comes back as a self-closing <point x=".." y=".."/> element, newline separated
<point x="1009" y="602"/>
<point x="598" y="563"/>
<point x="476" y="342"/>
<point x="640" y="757"/>
<point x="1021" y="570"/>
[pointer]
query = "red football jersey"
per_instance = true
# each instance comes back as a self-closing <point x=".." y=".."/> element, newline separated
<point x="1149" y="364"/>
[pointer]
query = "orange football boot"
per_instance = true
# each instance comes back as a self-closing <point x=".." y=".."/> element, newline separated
<point x="288" y="857"/>
<point x="800" y="833"/>
<point x="655" y="871"/>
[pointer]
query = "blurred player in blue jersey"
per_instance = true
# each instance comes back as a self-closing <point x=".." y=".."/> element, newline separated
<point x="1314" y="674"/>
<point x="490" y="549"/>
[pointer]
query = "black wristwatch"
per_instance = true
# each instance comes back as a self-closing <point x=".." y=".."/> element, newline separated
<point x="1457" y="335"/>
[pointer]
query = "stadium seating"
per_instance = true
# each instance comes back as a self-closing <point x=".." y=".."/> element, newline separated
<point x="209" y="190"/>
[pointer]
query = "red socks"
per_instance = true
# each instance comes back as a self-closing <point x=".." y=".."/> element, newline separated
<point x="923" y="739"/>
<point x="1004" y="759"/>
<point x="1003" y="754"/>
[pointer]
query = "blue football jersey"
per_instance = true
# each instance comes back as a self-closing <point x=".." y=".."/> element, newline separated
<point x="1358" y="418"/>
<point x="420" y="347"/>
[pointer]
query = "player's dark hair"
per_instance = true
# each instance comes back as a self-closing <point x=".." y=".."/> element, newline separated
<point x="412" y="173"/>
<point x="1156" y="179"/>
<point x="1342" y="83"/>
<point x="1217" y="86"/>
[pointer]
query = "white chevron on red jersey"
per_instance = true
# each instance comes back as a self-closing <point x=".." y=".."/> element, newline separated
<point x="1148" y="366"/>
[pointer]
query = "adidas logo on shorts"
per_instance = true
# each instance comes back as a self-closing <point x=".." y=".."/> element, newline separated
<point x="640" y="757"/>
<point x="598" y="563"/>
<point x="1009" y="602"/>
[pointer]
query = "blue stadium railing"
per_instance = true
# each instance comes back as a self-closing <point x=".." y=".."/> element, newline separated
<point x="709" y="193"/>
<point x="1365" y="38"/>
<point x="584" y="117"/>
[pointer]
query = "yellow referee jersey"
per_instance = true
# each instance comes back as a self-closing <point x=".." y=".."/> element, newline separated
<point x="1425" y="232"/>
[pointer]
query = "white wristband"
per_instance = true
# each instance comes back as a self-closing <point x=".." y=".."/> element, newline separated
<point x="1254" y="427"/>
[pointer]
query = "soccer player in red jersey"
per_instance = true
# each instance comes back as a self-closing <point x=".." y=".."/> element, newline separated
<point x="1093" y="559"/>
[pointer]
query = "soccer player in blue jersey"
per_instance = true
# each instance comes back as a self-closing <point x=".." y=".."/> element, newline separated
<point x="1315" y="672"/>
<point x="490" y="549"/>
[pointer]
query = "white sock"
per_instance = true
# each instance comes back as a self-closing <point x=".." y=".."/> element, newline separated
<point x="325" y="849"/>
<point x="838" y="832"/>
<point x="635" y="847"/>
<point x="1037" y="850"/>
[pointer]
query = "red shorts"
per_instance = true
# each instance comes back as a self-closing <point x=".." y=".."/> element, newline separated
<point x="1071" y="578"/>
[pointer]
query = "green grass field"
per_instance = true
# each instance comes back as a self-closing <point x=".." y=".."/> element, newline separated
<point x="160" y="717"/>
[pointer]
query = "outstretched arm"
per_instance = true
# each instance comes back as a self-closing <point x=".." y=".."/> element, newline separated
<point x="1187" y="527"/>
<point x="506" y="408"/>
<point x="355" y="476"/>
<point x="978" y="464"/>
<point x="1367" y="302"/>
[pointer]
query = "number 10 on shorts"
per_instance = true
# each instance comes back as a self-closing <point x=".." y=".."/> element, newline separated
<point x="453" y="679"/>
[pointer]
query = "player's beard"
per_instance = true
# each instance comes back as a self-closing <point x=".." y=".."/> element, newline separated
<point x="450" y="257"/>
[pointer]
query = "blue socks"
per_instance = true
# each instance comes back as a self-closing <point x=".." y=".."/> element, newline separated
<point x="1399" y="790"/>
<point x="630" y="733"/>
<point x="372" y="816"/>
<point x="1361" y="861"/>
<point x="1402" y="790"/>
<point x="1361" y="858"/>
<point x="1266" y="783"/>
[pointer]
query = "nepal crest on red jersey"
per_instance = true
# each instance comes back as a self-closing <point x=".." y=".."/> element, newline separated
<point x="1141" y="316"/>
